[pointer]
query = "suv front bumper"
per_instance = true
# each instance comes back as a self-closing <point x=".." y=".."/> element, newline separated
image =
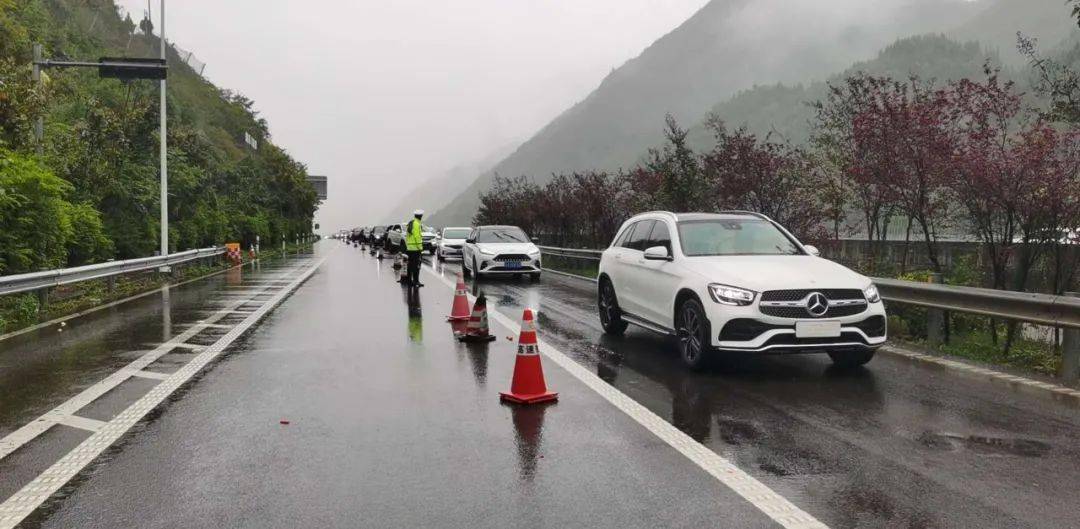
<point x="746" y="329"/>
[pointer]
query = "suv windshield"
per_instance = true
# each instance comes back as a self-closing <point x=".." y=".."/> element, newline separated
<point x="507" y="234"/>
<point x="460" y="233"/>
<point x="734" y="237"/>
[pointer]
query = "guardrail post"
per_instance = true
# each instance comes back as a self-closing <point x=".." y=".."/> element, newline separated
<point x="1070" y="350"/>
<point x="110" y="284"/>
<point x="935" y="320"/>
<point x="43" y="299"/>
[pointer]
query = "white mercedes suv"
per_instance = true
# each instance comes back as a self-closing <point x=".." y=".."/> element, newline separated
<point x="735" y="282"/>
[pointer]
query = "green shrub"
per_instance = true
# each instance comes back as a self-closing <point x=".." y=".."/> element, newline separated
<point x="34" y="225"/>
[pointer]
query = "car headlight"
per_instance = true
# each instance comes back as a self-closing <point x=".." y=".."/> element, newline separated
<point x="871" y="294"/>
<point x="729" y="295"/>
<point x="535" y="254"/>
<point x="486" y="252"/>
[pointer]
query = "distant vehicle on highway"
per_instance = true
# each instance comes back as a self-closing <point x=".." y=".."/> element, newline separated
<point x="736" y="282"/>
<point x="429" y="236"/>
<point x="500" y="250"/>
<point x="451" y="241"/>
<point x="377" y="236"/>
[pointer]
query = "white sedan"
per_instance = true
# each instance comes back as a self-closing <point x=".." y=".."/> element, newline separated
<point x="451" y="241"/>
<point x="500" y="250"/>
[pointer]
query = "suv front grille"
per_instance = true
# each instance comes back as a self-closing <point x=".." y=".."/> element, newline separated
<point x="796" y="295"/>
<point x="801" y="312"/>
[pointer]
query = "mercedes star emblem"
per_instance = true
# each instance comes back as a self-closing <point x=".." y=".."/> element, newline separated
<point x="817" y="304"/>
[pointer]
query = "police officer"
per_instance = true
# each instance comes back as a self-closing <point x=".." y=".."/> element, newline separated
<point x="414" y="246"/>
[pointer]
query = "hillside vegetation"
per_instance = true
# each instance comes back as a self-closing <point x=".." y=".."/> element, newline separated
<point x="93" y="193"/>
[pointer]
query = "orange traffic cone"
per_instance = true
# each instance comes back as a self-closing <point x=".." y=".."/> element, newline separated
<point x="460" y="312"/>
<point x="477" y="330"/>
<point x="528" y="385"/>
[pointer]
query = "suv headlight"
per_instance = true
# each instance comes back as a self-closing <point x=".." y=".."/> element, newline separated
<point x="486" y="252"/>
<point x="729" y="295"/>
<point x="871" y="294"/>
<point x="535" y="254"/>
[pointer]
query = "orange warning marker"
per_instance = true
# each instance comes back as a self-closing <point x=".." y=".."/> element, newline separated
<point x="528" y="386"/>
<point x="477" y="330"/>
<point x="460" y="312"/>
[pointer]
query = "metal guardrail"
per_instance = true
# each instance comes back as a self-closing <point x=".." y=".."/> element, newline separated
<point x="1043" y="309"/>
<point x="15" y="284"/>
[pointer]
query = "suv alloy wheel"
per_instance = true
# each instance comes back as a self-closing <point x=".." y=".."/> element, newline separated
<point x="610" y="315"/>
<point x="693" y="332"/>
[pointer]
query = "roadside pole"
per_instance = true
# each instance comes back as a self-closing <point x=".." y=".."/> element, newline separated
<point x="164" y="155"/>
<point x="935" y="319"/>
<point x="39" y="122"/>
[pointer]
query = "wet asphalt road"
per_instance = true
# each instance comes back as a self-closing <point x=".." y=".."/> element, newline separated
<point x="393" y="424"/>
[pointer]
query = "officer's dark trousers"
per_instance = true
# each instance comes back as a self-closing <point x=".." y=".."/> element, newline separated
<point x="414" y="266"/>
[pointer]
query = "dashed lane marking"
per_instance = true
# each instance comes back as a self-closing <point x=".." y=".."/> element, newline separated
<point x="30" y="497"/>
<point x="775" y="506"/>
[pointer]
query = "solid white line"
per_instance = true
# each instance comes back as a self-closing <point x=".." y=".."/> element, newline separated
<point x="763" y="498"/>
<point x="21" y="504"/>
<point x="82" y="423"/>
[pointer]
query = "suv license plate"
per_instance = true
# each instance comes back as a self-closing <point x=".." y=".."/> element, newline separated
<point x="817" y="329"/>
<point x="512" y="264"/>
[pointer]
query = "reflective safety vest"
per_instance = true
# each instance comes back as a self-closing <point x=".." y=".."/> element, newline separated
<point x="414" y="238"/>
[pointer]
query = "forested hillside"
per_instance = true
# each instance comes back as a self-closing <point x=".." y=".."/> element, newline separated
<point x="731" y="46"/>
<point x="93" y="194"/>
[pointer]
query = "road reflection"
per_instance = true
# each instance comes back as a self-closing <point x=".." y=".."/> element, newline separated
<point x="529" y="435"/>
<point x="416" y="315"/>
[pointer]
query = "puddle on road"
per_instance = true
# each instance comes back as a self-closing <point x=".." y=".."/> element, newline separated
<point x="983" y="444"/>
<point x="737" y="432"/>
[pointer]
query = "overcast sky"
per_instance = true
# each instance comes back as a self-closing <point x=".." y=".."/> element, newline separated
<point x="381" y="94"/>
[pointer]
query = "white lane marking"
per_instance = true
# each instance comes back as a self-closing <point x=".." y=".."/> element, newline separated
<point x="28" y="432"/>
<point x="30" y="497"/>
<point x="763" y="498"/>
<point x="82" y="423"/>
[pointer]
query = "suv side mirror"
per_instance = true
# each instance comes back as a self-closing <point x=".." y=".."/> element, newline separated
<point x="657" y="253"/>
<point x="470" y="240"/>
<point x="812" y="250"/>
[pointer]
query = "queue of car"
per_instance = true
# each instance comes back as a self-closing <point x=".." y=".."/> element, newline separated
<point x="730" y="283"/>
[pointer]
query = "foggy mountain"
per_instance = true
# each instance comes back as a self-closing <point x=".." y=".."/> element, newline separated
<point x="436" y="192"/>
<point x="734" y="45"/>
